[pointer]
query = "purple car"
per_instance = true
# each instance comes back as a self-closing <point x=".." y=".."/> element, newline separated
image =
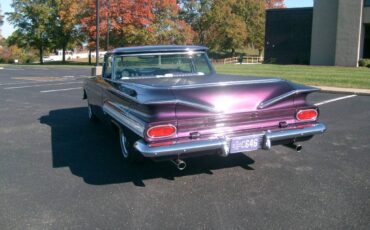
<point x="168" y="103"/>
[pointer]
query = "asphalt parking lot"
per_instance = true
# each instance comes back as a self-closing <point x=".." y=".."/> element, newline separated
<point x="58" y="171"/>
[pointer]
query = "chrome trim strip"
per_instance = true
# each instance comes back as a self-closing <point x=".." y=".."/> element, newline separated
<point x="228" y="83"/>
<point x="196" y="146"/>
<point x="189" y="52"/>
<point x="274" y="100"/>
<point x="191" y="86"/>
<point x="124" y="118"/>
<point x="223" y="143"/>
<point x="294" y="133"/>
<point x="182" y="102"/>
<point x="120" y="93"/>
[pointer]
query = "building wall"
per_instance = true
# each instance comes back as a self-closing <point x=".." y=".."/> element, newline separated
<point x="366" y="15"/>
<point x="366" y="43"/>
<point x="324" y="32"/>
<point x="349" y="28"/>
<point x="338" y="32"/>
<point x="365" y="31"/>
<point x="288" y="35"/>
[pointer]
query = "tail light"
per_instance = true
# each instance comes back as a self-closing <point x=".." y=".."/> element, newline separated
<point x="307" y="115"/>
<point x="161" y="131"/>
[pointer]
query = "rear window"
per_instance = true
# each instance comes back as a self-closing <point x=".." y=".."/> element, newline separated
<point x="161" y="65"/>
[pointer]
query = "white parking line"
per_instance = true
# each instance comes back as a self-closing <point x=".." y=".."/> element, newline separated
<point x="30" y="86"/>
<point x="335" y="99"/>
<point x="15" y="83"/>
<point x="29" y="82"/>
<point x="57" y="90"/>
<point x="13" y="69"/>
<point x="40" y="68"/>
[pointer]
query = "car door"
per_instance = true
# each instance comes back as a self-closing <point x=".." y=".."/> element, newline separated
<point x="112" y="88"/>
<point x="96" y="90"/>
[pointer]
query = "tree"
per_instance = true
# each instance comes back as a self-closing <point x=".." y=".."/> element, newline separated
<point x="168" y="27"/>
<point x="1" y="20"/>
<point x="66" y="18"/>
<point x="274" y="4"/>
<point x="32" y="18"/>
<point x="230" y="24"/>
<point x="193" y="12"/>
<point x="227" y="30"/>
<point x="130" y="21"/>
<point x="137" y="22"/>
<point x="253" y="13"/>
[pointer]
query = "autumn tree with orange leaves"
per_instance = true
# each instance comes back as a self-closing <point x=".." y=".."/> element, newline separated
<point x="66" y="18"/>
<point x="137" y="22"/>
<point x="270" y="4"/>
<point x="63" y="24"/>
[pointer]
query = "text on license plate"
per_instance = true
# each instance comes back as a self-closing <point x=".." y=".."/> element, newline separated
<point x="245" y="144"/>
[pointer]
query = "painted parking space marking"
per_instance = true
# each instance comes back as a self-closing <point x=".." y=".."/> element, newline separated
<point x="40" y="79"/>
<point x="12" y="69"/>
<point x="41" y="85"/>
<point x="40" y="68"/>
<point x="58" y="90"/>
<point x="335" y="99"/>
<point x="29" y="82"/>
<point x="16" y="83"/>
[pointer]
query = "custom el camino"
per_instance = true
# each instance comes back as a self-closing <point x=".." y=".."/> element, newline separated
<point x="168" y="103"/>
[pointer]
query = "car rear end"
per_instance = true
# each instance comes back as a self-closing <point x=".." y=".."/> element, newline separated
<point x="232" y="118"/>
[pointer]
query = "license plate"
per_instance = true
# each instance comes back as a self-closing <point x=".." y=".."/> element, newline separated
<point x="245" y="144"/>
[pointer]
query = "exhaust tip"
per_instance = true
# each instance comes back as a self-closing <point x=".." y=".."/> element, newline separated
<point x="180" y="164"/>
<point x="296" y="147"/>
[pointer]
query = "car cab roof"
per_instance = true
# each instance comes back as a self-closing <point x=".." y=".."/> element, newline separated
<point x="157" y="49"/>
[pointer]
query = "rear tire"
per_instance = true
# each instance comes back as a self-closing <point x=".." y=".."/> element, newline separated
<point x="127" y="140"/>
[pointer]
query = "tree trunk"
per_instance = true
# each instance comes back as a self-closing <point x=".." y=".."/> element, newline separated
<point x="232" y="52"/>
<point x="89" y="56"/>
<point x="64" y="54"/>
<point x="41" y="53"/>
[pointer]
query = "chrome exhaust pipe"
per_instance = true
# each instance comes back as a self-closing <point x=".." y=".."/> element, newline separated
<point x="296" y="147"/>
<point x="180" y="164"/>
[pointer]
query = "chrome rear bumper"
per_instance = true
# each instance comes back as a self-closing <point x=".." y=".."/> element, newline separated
<point x="223" y="143"/>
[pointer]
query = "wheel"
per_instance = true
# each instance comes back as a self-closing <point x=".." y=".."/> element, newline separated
<point x="128" y="152"/>
<point x="90" y="114"/>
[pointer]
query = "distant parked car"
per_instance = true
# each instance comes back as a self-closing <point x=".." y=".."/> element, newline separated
<point x="168" y="103"/>
<point x="47" y="58"/>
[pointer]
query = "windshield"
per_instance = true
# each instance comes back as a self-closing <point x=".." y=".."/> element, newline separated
<point x="161" y="65"/>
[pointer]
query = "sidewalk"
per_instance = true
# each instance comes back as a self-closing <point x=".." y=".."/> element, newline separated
<point x="344" y="90"/>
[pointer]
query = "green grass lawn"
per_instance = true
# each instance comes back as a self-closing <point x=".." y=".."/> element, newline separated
<point x="311" y="75"/>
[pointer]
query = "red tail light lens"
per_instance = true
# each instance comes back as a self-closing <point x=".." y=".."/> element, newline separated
<point x="307" y="115"/>
<point x="161" y="131"/>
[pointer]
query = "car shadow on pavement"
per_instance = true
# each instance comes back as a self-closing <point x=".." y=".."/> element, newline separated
<point x="91" y="152"/>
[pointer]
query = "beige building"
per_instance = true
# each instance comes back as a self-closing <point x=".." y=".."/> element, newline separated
<point x="340" y="32"/>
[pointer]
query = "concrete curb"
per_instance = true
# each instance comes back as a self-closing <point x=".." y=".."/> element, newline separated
<point x="327" y="89"/>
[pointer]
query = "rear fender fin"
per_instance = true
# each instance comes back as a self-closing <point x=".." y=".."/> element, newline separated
<point x="301" y="90"/>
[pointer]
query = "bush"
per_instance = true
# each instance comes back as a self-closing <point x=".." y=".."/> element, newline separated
<point x="9" y="54"/>
<point x="364" y="63"/>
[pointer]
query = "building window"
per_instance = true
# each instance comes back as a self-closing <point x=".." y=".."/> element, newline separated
<point x="367" y="3"/>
